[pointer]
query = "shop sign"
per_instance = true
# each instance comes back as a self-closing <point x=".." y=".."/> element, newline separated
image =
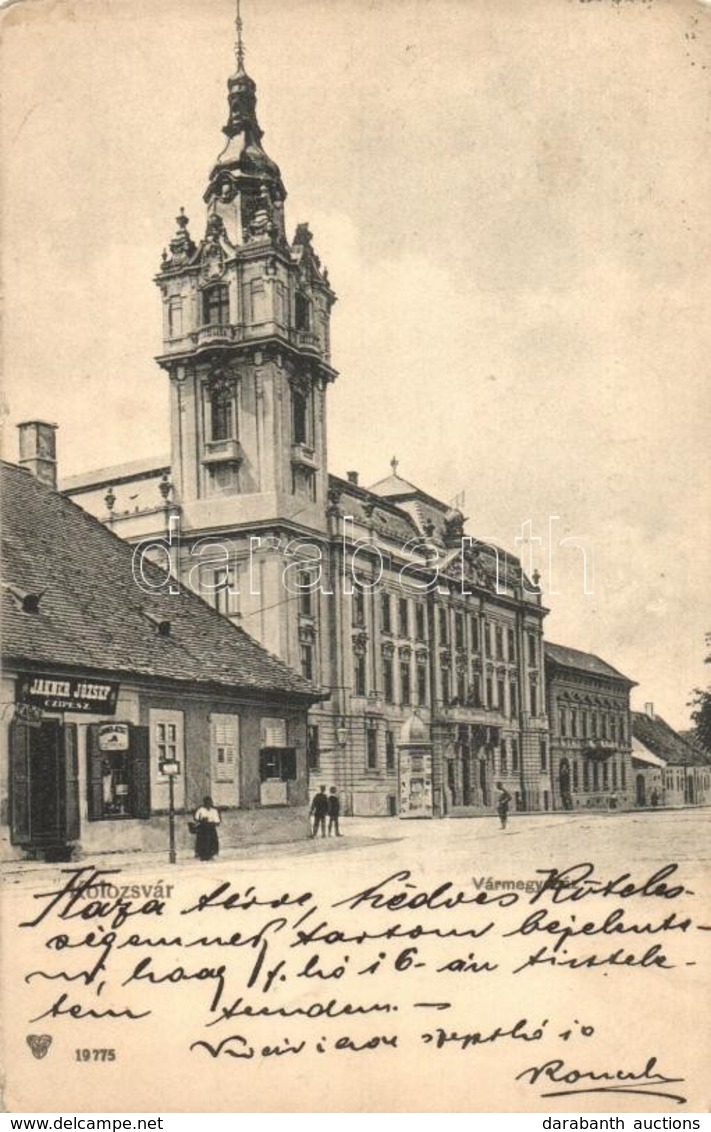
<point x="28" y="714"/>
<point x="113" y="737"/>
<point x="68" y="693"/>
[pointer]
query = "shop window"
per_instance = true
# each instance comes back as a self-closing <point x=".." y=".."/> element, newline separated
<point x="216" y="306"/>
<point x="118" y="778"/>
<point x="277" y="764"/>
<point x="313" y="749"/>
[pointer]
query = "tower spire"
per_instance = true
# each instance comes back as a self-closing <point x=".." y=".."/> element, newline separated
<point x="239" y="44"/>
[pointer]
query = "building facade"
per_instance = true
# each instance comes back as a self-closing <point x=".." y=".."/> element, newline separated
<point x="377" y="594"/>
<point x="116" y="695"/>
<point x="590" y="731"/>
<point x="669" y="770"/>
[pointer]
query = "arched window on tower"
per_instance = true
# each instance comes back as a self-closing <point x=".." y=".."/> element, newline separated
<point x="222" y="414"/>
<point x="300" y="417"/>
<point x="216" y="306"/>
<point x="302" y="312"/>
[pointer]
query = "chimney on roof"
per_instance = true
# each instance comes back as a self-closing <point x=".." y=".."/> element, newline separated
<point x="353" y="478"/>
<point x="649" y="710"/>
<point x="38" y="451"/>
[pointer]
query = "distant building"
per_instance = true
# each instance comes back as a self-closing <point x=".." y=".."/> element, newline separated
<point x="682" y="775"/>
<point x="108" y="684"/>
<point x="590" y="731"/>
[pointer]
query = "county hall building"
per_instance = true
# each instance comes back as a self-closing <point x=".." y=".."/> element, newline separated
<point x="375" y="593"/>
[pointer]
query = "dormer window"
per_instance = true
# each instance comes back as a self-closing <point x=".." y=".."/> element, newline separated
<point x="216" y="306"/>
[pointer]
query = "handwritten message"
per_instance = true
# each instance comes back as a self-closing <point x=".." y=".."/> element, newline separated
<point x="394" y="967"/>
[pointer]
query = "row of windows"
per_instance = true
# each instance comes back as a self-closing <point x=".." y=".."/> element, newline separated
<point x="222" y="416"/>
<point x="589" y="723"/>
<point x="594" y="774"/>
<point x="468" y="629"/>
<point x="216" y="307"/>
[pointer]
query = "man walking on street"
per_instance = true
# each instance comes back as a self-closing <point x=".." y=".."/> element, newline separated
<point x="319" y="809"/>
<point x="334" y="812"/>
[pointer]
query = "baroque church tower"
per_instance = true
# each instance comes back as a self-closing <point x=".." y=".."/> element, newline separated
<point x="246" y="343"/>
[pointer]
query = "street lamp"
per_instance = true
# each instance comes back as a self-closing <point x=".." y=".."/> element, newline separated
<point x="171" y="769"/>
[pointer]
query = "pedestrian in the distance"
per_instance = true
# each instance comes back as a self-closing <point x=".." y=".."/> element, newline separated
<point x="207" y="818"/>
<point x="334" y="812"/>
<point x="503" y="802"/>
<point x="319" y="810"/>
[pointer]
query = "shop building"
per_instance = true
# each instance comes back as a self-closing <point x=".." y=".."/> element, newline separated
<point x="111" y="678"/>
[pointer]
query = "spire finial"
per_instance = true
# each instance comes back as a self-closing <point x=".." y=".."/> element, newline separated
<point x="394" y="464"/>
<point x="239" y="45"/>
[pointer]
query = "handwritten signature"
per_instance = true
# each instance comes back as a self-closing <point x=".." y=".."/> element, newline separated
<point x="642" y="1083"/>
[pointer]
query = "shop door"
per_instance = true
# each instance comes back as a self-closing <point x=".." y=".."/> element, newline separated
<point x="44" y="795"/>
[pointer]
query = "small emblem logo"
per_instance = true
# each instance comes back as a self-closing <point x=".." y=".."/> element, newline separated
<point x="39" y="1044"/>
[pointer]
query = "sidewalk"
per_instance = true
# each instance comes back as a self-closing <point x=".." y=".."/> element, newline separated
<point x="360" y="832"/>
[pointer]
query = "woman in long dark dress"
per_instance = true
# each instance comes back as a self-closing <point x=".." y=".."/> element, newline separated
<point x="207" y="817"/>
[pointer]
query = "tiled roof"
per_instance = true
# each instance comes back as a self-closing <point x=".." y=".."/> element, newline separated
<point x="92" y="613"/>
<point x="582" y="661"/>
<point x="659" y="738"/>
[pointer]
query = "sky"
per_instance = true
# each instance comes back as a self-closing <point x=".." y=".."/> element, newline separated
<point x="511" y="197"/>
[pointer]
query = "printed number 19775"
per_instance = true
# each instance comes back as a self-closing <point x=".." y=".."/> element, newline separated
<point x="95" y="1054"/>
